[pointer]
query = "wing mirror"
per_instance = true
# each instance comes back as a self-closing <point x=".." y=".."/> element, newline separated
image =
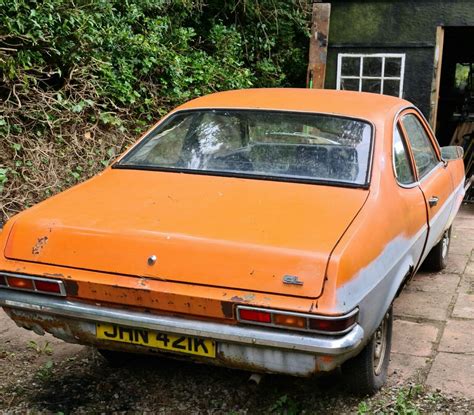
<point x="452" y="153"/>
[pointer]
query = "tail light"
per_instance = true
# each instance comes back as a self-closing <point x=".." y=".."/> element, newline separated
<point x="258" y="316"/>
<point x="332" y="325"/>
<point x="21" y="283"/>
<point x="52" y="287"/>
<point x="32" y="284"/>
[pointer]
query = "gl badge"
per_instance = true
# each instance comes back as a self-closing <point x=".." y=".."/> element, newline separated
<point x="292" y="280"/>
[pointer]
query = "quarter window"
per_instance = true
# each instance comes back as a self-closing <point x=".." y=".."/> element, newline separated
<point x="421" y="145"/>
<point x="381" y="73"/>
<point x="401" y="160"/>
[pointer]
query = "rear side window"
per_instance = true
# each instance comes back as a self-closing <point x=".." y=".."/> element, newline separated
<point x="421" y="145"/>
<point x="401" y="160"/>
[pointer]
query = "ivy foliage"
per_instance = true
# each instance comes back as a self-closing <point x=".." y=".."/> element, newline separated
<point x="150" y="54"/>
<point x="80" y="78"/>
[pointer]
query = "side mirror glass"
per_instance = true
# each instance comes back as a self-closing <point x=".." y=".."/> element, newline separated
<point x="452" y="153"/>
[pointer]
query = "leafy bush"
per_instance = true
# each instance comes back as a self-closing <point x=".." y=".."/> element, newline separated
<point x="80" y="79"/>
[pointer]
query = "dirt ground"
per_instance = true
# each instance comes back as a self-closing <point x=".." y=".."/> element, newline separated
<point x="40" y="373"/>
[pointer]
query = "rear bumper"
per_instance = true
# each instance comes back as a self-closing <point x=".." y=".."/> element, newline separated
<point x="252" y="347"/>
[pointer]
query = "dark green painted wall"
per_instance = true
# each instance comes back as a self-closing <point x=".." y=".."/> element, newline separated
<point x="396" y="27"/>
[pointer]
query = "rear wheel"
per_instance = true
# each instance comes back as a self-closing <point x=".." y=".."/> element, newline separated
<point x="366" y="373"/>
<point x="438" y="256"/>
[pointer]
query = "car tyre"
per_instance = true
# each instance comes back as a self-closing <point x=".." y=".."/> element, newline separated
<point x="366" y="373"/>
<point x="438" y="256"/>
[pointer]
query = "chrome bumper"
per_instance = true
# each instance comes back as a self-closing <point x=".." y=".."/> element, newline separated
<point x="228" y="334"/>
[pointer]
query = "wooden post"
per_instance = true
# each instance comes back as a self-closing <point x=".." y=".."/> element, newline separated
<point x="318" y="45"/>
<point x="438" y="61"/>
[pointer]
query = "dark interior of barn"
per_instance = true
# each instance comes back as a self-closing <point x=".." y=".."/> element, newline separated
<point x="455" y="124"/>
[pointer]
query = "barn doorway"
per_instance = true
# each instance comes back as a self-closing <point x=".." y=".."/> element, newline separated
<point x="455" y="109"/>
<point x="456" y="93"/>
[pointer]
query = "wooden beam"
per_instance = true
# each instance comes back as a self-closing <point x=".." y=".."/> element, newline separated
<point x="438" y="61"/>
<point x="318" y="45"/>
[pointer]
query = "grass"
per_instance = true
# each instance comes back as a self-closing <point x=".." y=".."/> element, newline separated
<point x="39" y="348"/>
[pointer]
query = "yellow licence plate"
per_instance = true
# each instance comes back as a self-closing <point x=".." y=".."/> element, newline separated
<point x="156" y="339"/>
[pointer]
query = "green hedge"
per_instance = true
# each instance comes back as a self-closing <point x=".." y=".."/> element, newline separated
<point x="81" y="78"/>
<point x="148" y="53"/>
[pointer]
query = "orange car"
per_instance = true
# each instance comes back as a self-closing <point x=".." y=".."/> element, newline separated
<point x="266" y="229"/>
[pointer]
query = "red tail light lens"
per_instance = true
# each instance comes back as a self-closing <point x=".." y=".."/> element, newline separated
<point x="48" y="286"/>
<point x="330" y="325"/>
<point x="34" y="284"/>
<point x="21" y="283"/>
<point x="255" y="315"/>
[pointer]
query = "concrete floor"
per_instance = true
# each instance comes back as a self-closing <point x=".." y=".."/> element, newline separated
<point x="433" y="340"/>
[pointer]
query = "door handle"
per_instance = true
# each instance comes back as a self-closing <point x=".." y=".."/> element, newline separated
<point x="433" y="201"/>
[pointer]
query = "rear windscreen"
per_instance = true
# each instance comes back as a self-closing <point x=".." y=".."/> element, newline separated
<point x="258" y="143"/>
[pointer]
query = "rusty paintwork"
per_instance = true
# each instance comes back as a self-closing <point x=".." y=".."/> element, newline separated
<point x="220" y="241"/>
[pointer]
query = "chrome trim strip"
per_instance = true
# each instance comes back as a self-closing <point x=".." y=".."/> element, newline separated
<point x="395" y="121"/>
<point x="62" y="288"/>
<point x="326" y="345"/>
<point x="272" y="312"/>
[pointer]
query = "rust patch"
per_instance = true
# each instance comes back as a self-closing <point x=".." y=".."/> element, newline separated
<point x="72" y="288"/>
<point x="245" y="299"/>
<point x="227" y="309"/>
<point x="248" y="297"/>
<point x="47" y="274"/>
<point x="40" y="244"/>
<point x="142" y="283"/>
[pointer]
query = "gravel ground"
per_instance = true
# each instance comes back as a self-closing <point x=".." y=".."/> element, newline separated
<point x="39" y="376"/>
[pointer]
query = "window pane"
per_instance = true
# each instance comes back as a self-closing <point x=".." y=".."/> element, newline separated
<point x="259" y="143"/>
<point x="421" y="146"/>
<point x="401" y="160"/>
<point x="391" y="87"/>
<point x="393" y="67"/>
<point x="350" y="84"/>
<point x="350" y="66"/>
<point x="372" y="66"/>
<point x="371" y="85"/>
<point x="165" y="147"/>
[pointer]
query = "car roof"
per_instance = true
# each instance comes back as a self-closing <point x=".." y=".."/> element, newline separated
<point x="372" y="107"/>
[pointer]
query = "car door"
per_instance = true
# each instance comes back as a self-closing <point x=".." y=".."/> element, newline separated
<point x="410" y="198"/>
<point x="433" y="178"/>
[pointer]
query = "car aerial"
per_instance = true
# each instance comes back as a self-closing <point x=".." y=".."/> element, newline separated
<point x="264" y="229"/>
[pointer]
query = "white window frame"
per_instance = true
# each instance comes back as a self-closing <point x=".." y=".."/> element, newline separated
<point x="380" y="78"/>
